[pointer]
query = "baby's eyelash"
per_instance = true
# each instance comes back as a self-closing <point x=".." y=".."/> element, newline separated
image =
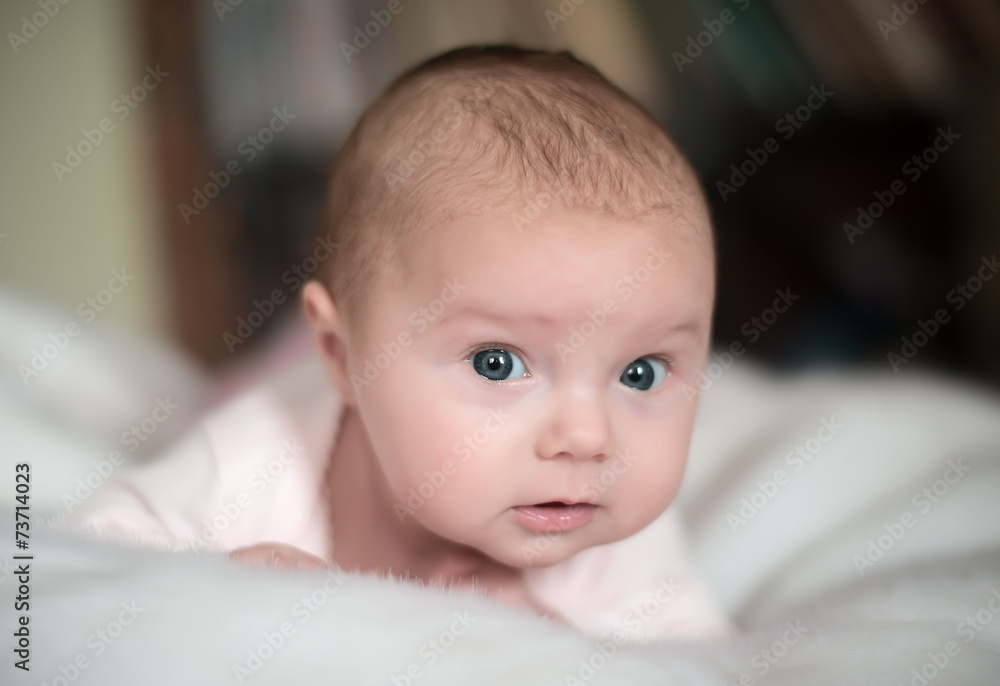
<point x="492" y="346"/>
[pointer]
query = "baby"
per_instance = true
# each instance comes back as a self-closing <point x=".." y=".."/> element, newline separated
<point x="522" y="287"/>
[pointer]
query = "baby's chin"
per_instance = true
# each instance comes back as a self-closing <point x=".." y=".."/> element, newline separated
<point x="538" y="551"/>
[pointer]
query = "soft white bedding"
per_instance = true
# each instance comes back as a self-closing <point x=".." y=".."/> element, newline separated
<point x="198" y="619"/>
<point x="789" y="573"/>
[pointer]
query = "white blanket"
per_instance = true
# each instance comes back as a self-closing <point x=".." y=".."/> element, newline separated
<point x="113" y="616"/>
<point x="840" y="569"/>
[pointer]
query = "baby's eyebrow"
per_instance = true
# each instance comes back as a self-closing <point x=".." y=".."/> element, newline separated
<point x="689" y="326"/>
<point x="493" y="315"/>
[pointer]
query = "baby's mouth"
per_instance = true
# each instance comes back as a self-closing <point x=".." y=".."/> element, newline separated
<point x="554" y="515"/>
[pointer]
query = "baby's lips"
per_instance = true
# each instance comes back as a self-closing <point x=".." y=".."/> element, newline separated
<point x="550" y="516"/>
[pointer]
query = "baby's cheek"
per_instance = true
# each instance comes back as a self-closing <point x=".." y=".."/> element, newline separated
<point x="430" y="485"/>
<point x="650" y="485"/>
<point x="461" y="501"/>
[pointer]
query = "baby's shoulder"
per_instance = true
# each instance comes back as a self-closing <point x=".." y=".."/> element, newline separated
<point x="251" y="470"/>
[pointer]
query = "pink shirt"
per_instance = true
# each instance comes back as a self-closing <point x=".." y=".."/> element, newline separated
<point x="253" y="471"/>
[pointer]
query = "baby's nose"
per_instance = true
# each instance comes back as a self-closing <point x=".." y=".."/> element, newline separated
<point x="577" y="428"/>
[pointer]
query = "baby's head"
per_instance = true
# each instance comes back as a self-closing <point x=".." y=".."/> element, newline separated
<point x="521" y="294"/>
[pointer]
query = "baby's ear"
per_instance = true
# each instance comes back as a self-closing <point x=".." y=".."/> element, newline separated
<point x="331" y="335"/>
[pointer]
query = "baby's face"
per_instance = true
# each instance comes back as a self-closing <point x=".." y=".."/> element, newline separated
<point x="524" y="391"/>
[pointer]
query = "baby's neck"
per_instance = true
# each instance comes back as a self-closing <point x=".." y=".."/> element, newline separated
<point x="368" y="536"/>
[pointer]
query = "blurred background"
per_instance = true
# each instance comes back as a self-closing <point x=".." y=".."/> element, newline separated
<point x="187" y="143"/>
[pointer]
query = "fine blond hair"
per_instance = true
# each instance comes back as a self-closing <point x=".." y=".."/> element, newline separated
<point x="487" y="128"/>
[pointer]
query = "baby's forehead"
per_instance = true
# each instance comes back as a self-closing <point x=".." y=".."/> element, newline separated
<point x="542" y="230"/>
<point x="479" y="279"/>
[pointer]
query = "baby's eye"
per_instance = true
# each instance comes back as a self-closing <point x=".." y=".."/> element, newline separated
<point x="497" y="364"/>
<point x="643" y="374"/>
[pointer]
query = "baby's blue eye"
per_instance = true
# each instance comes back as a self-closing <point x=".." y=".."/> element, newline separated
<point x="643" y="374"/>
<point x="497" y="364"/>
